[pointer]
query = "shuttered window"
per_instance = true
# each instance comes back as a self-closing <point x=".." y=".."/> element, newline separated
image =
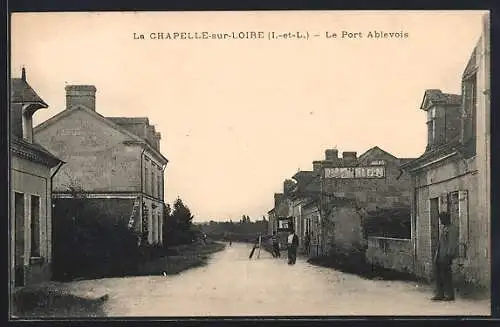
<point x="469" y="115"/>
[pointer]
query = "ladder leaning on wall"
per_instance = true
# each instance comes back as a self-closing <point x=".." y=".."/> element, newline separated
<point x="131" y="221"/>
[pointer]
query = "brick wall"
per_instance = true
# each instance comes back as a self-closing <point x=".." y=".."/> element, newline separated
<point x="391" y="253"/>
<point x="95" y="156"/>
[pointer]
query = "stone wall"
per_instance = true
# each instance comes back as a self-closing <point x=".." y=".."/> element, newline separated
<point x="96" y="158"/>
<point x="390" y="253"/>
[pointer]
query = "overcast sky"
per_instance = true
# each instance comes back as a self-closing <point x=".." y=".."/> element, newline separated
<point x="237" y="117"/>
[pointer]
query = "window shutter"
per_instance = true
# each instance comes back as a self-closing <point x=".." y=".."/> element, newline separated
<point x="443" y="202"/>
<point x="463" y="214"/>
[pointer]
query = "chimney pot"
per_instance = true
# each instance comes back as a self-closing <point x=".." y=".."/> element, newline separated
<point x="80" y="95"/>
<point x="331" y="154"/>
<point x="352" y="155"/>
<point x="317" y="166"/>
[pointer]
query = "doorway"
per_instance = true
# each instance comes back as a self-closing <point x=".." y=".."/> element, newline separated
<point x="434" y="224"/>
<point x="19" y="239"/>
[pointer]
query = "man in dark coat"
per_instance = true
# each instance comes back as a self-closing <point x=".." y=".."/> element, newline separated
<point x="307" y="243"/>
<point x="276" y="245"/>
<point x="443" y="258"/>
<point x="293" y="244"/>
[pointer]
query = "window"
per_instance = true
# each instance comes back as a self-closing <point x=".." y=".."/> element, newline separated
<point x="35" y="226"/>
<point x="457" y="204"/>
<point x="431" y="126"/>
<point x="27" y="126"/>
<point x="469" y="115"/>
<point x="153" y="182"/>
<point x="146" y="177"/>
<point x="160" y="183"/>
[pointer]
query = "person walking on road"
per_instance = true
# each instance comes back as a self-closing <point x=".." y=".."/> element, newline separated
<point x="276" y="246"/>
<point x="293" y="244"/>
<point x="443" y="259"/>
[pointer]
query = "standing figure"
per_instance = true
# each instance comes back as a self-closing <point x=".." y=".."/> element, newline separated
<point x="293" y="244"/>
<point x="443" y="259"/>
<point x="276" y="246"/>
<point x="307" y="243"/>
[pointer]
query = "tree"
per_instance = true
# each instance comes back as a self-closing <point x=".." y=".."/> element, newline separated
<point x="180" y="224"/>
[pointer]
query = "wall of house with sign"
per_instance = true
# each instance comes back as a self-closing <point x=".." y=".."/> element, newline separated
<point x="351" y="193"/>
<point x="373" y="186"/>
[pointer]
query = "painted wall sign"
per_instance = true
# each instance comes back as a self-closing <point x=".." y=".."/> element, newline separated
<point x="355" y="172"/>
<point x="377" y="163"/>
<point x="285" y="224"/>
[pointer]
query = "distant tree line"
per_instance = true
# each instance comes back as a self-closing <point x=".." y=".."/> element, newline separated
<point x="245" y="230"/>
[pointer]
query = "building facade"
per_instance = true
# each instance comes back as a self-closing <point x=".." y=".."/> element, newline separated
<point x="32" y="169"/>
<point x="272" y="222"/>
<point x="114" y="161"/>
<point x="354" y="187"/>
<point x="453" y="174"/>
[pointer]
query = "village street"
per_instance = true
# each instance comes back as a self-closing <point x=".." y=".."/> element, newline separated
<point x="233" y="285"/>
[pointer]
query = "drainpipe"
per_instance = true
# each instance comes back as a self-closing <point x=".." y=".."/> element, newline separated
<point x="51" y="204"/>
<point x="57" y="169"/>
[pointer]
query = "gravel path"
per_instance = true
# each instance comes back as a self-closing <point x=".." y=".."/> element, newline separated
<point x="233" y="285"/>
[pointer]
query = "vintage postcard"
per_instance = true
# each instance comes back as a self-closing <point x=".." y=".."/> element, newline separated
<point x="252" y="163"/>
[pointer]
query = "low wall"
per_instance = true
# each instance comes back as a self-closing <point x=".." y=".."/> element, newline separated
<point x="391" y="253"/>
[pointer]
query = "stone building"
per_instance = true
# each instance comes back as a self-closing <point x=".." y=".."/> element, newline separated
<point x="305" y="191"/>
<point x="272" y="222"/>
<point x="453" y="174"/>
<point x="32" y="169"/>
<point x="352" y="188"/>
<point x="115" y="161"/>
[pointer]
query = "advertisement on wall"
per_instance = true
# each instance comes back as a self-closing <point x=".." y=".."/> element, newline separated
<point x="355" y="172"/>
<point x="285" y="224"/>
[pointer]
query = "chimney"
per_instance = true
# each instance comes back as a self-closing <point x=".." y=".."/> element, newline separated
<point x="349" y="155"/>
<point x="316" y="166"/>
<point x="23" y="74"/>
<point x="331" y="154"/>
<point x="288" y="186"/>
<point x="80" y="95"/>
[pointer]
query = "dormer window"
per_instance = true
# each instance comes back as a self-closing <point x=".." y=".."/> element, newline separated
<point x="431" y="125"/>
<point x="24" y="103"/>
